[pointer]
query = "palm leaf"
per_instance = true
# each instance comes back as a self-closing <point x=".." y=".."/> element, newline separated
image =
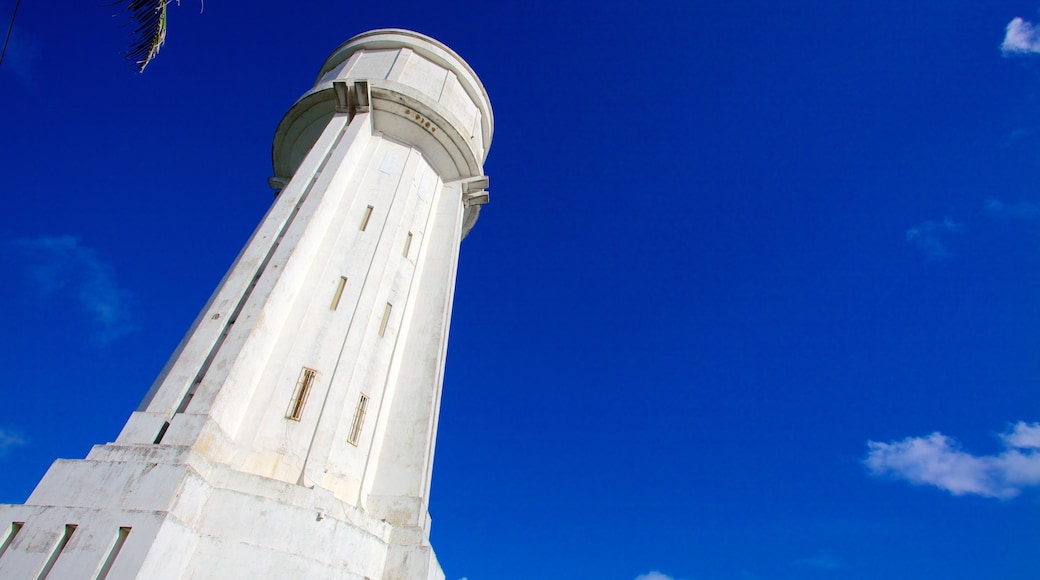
<point x="148" y="17"/>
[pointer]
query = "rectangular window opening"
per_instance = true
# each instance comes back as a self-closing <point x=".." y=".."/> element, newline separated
<point x="386" y="318"/>
<point x="339" y="292"/>
<point x="12" y="531"/>
<point x="113" y="553"/>
<point x="303" y="388"/>
<point x="359" y="420"/>
<point x="69" y="528"/>
<point x="368" y="215"/>
<point x="407" y="244"/>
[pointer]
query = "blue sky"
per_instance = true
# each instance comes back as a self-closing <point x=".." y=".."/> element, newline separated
<point x="757" y="295"/>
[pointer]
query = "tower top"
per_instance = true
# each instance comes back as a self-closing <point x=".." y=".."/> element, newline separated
<point x="432" y="49"/>
<point x="418" y="90"/>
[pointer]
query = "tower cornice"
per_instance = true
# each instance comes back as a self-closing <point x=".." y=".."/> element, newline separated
<point x="400" y="111"/>
<point x="417" y="90"/>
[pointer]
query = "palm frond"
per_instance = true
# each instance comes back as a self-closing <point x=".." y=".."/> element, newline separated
<point x="10" y="28"/>
<point x="149" y="19"/>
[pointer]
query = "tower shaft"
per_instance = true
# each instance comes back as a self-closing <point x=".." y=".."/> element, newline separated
<point x="292" y="431"/>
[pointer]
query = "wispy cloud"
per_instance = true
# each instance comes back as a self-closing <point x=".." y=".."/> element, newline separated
<point x="939" y="461"/>
<point x="654" y="575"/>
<point x="1023" y="210"/>
<point x="1016" y="135"/>
<point x="62" y="263"/>
<point x="822" y="561"/>
<point x="1022" y="436"/>
<point x="10" y="439"/>
<point x="1022" y="38"/>
<point x="928" y="237"/>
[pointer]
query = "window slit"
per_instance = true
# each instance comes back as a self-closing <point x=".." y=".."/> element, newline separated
<point x="407" y="244"/>
<point x="386" y="318"/>
<point x="69" y="529"/>
<point x="359" y="420"/>
<point x="339" y="292"/>
<point x="162" y="433"/>
<point x="303" y="389"/>
<point x="12" y="531"/>
<point x="113" y="553"/>
<point x="368" y="215"/>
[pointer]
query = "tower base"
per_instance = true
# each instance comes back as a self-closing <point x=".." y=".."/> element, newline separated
<point x="144" y="511"/>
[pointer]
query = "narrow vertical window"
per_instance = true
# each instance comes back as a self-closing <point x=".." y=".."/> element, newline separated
<point x="339" y="293"/>
<point x="386" y="318"/>
<point x="12" y="531"/>
<point x="359" y="420"/>
<point x="56" y="552"/>
<point x="303" y="388"/>
<point x="112" y="553"/>
<point x="407" y="244"/>
<point x="368" y="215"/>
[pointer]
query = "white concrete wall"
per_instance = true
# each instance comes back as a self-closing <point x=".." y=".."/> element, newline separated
<point x="225" y="525"/>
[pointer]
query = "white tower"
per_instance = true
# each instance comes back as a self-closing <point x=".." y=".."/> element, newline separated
<point x="291" y="434"/>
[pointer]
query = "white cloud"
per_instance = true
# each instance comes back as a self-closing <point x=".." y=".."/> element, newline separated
<point x="1023" y="436"/>
<point x="9" y="439"/>
<point x="654" y="575"/>
<point x="1023" y="210"/>
<point x="938" y="460"/>
<point x="928" y="237"/>
<point x="1021" y="38"/>
<point x="61" y="263"/>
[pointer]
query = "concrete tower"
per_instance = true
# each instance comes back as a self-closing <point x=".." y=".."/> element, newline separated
<point x="291" y="434"/>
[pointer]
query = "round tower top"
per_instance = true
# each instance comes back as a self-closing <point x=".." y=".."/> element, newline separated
<point x="421" y="92"/>
<point x="430" y="48"/>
